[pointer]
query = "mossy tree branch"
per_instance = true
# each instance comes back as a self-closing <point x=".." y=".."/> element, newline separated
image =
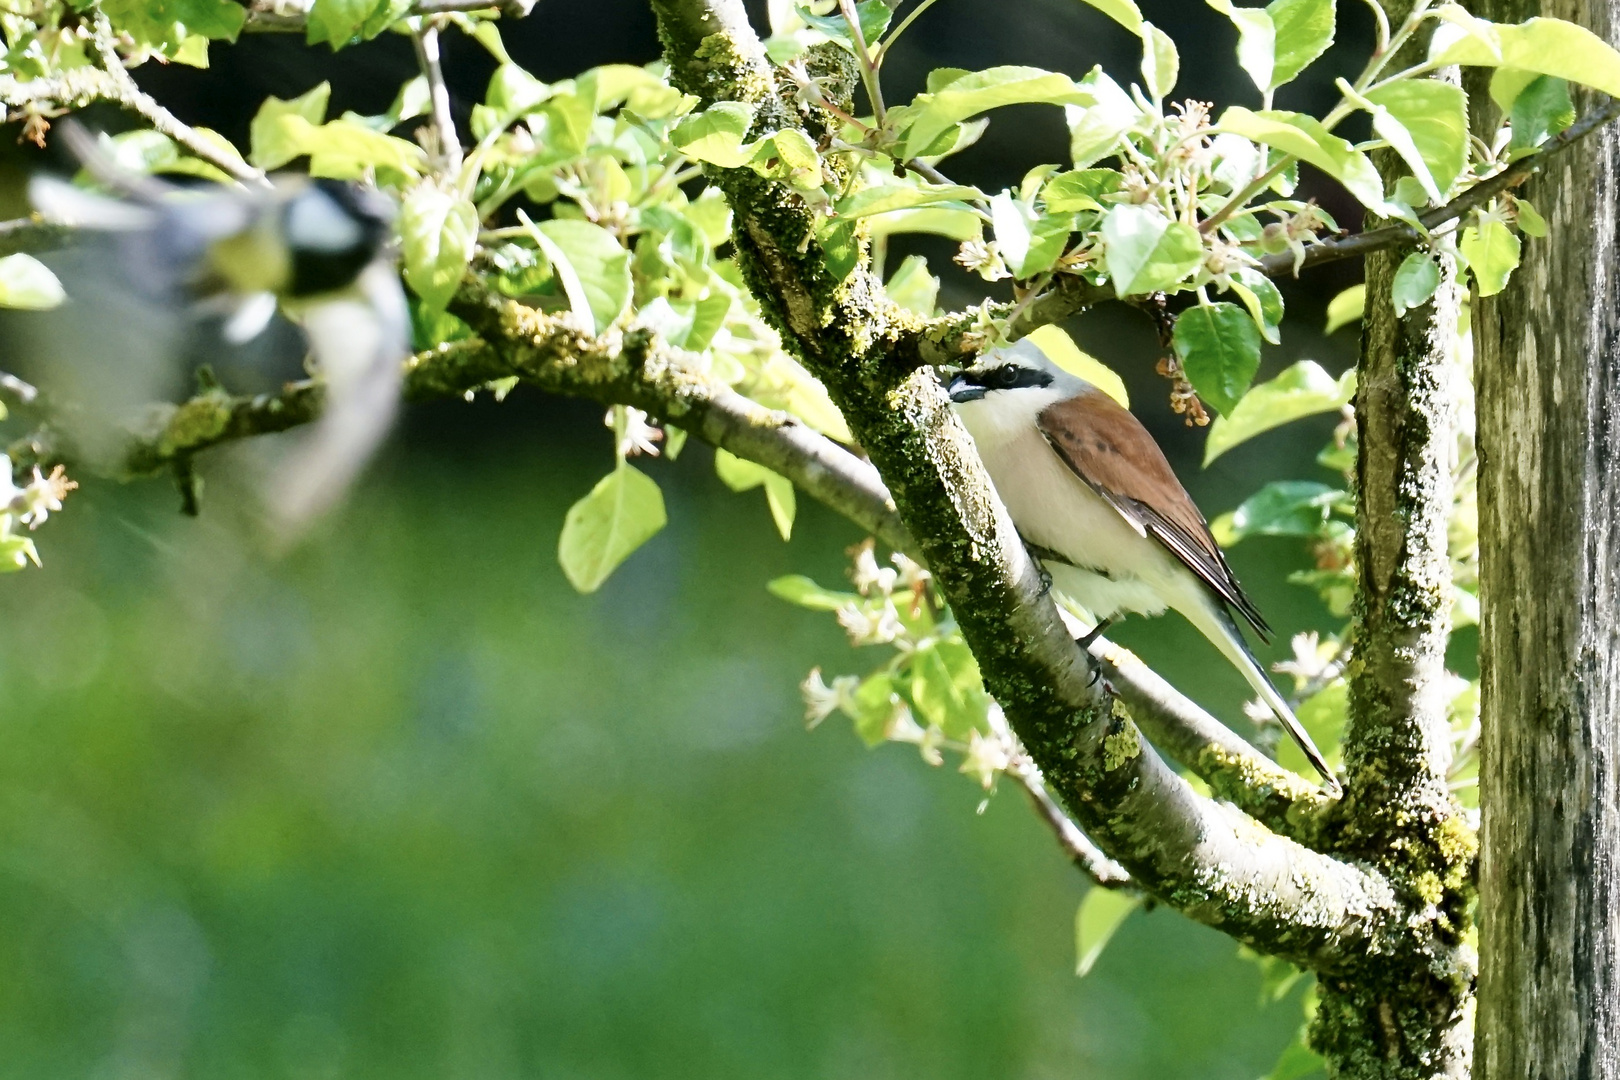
<point x="1206" y="859"/>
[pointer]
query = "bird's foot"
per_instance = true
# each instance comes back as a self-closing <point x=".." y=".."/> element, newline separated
<point x="1085" y="640"/>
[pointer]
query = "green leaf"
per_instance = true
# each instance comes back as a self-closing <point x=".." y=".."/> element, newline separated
<point x="872" y="15"/>
<point x="1030" y="243"/>
<point x="874" y="707"/>
<point x="1492" y="251"/>
<point x="1160" y="62"/>
<point x="1304" y="30"/>
<point x="932" y="113"/>
<point x="1094" y="131"/>
<point x="271" y="142"/>
<point x="948" y="219"/>
<point x="1541" y="109"/>
<point x="27" y="283"/>
<point x="1346" y="308"/>
<point x="1124" y="12"/>
<point x="1301" y="389"/>
<point x="1259" y="294"/>
<point x="438" y="230"/>
<point x="622" y="512"/>
<point x="1095" y="921"/>
<point x="1531" y="222"/>
<point x="1145" y="252"/>
<point x="1060" y="348"/>
<point x="884" y="198"/>
<point x="739" y="474"/>
<point x="1257" y="40"/>
<point x="1322" y="715"/>
<point x="1281" y="508"/>
<point x="800" y="590"/>
<point x="1435" y="115"/>
<point x="1219" y="348"/>
<point x="339" y="22"/>
<point x="1415" y="281"/>
<point x="1080" y="189"/>
<point x="1305" y="138"/>
<point x="716" y="134"/>
<point x="913" y="287"/>
<point x="1545" y="46"/>
<point x="946" y="688"/>
<point x="168" y="24"/>
<point x="594" y="269"/>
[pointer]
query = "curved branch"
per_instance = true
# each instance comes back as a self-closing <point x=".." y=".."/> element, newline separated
<point x="1207" y="859"/>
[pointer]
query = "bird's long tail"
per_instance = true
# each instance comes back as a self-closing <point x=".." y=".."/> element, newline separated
<point x="1216" y="624"/>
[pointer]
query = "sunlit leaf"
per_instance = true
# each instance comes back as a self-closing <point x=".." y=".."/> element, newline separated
<point x="1346" y="308"/>
<point x="438" y="229"/>
<point x="1257" y="40"/>
<point x="1538" y="111"/>
<point x="1304" y="30"/>
<point x="1492" y="251"/>
<point x="716" y="134"/>
<point x="1415" y="281"/>
<point x="913" y="287"/>
<point x="801" y="590"/>
<point x="1305" y="138"/>
<point x="1219" y="347"/>
<point x="1029" y="242"/>
<point x="1261" y="297"/>
<point x="271" y="146"/>
<point x="1435" y="115"/>
<point x="1095" y="921"/>
<point x="1161" y="64"/>
<point x="971" y="93"/>
<point x="1545" y="46"/>
<point x="1281" y="508"/>
<point x="27" y="283"/>
<point x="883" y="198"/>
<point x="1145" y="252"/>
<point x="1080" y="189"/>
<point x="1301" y="389"/>
<point x="1124" y="12"/>
<point x="946" y="688"/>
<point x="739" y="474"/>
<point x="1095" y="130"/>
<point x="621" y="513"/>
<point x="589" y="255"/>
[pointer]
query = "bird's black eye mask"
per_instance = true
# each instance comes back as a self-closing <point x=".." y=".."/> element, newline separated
<point x="974" y="383"/>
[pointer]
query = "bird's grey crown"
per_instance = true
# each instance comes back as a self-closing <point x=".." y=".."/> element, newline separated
<point x="1019" y="366"/>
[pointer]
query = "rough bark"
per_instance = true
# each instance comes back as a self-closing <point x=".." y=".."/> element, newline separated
<point x="1549" y="497"/>
<point x="1409" y="1015"/>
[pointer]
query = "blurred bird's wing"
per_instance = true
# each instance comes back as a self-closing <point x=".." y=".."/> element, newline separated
<point x="1109" y="449"/>
<point x="359" y="341"/>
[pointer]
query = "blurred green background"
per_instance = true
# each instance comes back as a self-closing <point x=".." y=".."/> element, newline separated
<point x="403" y="805"/>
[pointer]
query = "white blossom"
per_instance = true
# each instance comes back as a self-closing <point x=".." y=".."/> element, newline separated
<point x="987" y="757"/>
<point x="866" y="628"/>
<point x="867" y="575"/>
<point x="822" y="700"/>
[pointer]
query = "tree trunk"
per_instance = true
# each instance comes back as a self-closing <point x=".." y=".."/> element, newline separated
<point x="1549" y="498"/>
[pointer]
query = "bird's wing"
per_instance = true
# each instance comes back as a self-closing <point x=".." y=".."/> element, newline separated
<point x="359" y="341"/>
<point x="1110" y="450"/>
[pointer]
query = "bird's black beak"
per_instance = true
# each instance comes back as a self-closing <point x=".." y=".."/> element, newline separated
<point x="964" y="389"/>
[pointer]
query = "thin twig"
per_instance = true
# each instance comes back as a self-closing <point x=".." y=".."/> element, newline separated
<point x="133" y="97"/>
<point x="444" y="121"/>
<point x="1075" y="844"/>
<point x="269" y="17"/>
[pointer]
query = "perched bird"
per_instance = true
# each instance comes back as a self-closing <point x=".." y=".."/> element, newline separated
<point x="240" y="260"/>
<point x="1092" y="494"/>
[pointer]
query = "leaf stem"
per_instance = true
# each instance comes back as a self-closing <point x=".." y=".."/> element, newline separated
<point x="869" y="70"/>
